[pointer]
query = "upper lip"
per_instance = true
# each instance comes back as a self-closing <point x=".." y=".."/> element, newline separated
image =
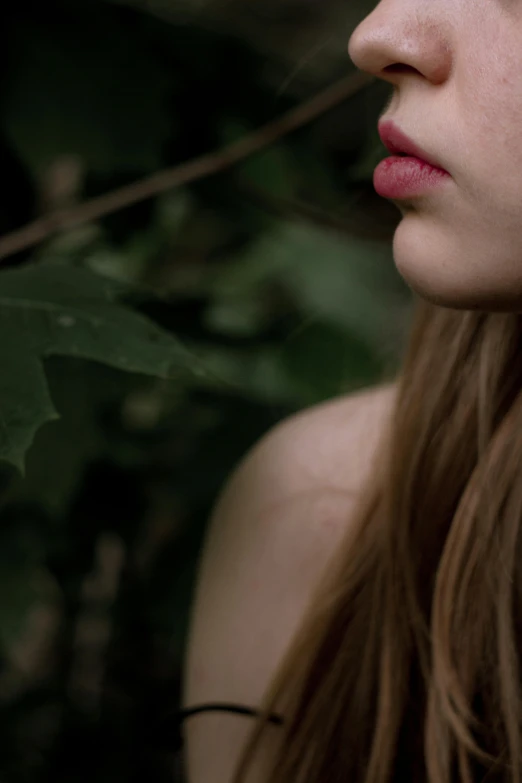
<point x="396" y="141"/>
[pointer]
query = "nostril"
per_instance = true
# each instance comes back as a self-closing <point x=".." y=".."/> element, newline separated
<point x="398" y="68"/>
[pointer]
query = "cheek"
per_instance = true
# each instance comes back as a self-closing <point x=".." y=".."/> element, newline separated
<point x="494" y="76"/>
<point x="491" y="102"/>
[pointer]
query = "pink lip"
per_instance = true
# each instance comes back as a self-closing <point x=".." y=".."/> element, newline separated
<point x="409" y="176"/>
<point x="396" y="141"/>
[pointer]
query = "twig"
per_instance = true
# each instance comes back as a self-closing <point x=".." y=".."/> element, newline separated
<point x="39" y="230"/>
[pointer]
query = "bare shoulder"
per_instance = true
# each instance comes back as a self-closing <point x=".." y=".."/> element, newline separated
<point x="327" y="446"/>
<point x="273" y="529"/>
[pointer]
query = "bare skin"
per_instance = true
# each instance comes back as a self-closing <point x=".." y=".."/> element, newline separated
<point x="455" y="68"/>
<point x="274" y="529"/>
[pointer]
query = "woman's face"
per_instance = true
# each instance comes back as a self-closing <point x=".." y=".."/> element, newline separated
<point x="456" y="71"/>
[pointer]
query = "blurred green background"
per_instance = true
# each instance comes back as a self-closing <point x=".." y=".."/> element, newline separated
<point x="260" y="288"/>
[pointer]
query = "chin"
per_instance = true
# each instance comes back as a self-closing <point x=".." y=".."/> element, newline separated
<point x="445" y="293"/>
<point x="438" y="273"/>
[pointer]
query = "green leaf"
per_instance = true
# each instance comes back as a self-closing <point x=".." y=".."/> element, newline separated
<point x="81" y="391"/>
<point x="237" y="318"/>
<point x="323" y="361"/>
<point x="59" y="310"/>
<point x="255" y="374"/>
<point x="349" y="283"/>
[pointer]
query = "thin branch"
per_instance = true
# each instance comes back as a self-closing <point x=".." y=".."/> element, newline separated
<point x="41" y="229"/>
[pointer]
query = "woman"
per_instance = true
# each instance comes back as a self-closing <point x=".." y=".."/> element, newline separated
<point x="406" y="664"/>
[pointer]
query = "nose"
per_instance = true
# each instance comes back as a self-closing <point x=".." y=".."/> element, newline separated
<point x="400" y="37"/>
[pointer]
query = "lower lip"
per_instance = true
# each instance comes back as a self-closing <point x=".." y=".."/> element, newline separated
<point x="399" y="177"/>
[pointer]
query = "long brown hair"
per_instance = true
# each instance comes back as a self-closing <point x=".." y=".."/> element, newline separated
<point x="406" y="666"/>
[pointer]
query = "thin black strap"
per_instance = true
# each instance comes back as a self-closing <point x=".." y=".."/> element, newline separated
<point x="224" y="707"/>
